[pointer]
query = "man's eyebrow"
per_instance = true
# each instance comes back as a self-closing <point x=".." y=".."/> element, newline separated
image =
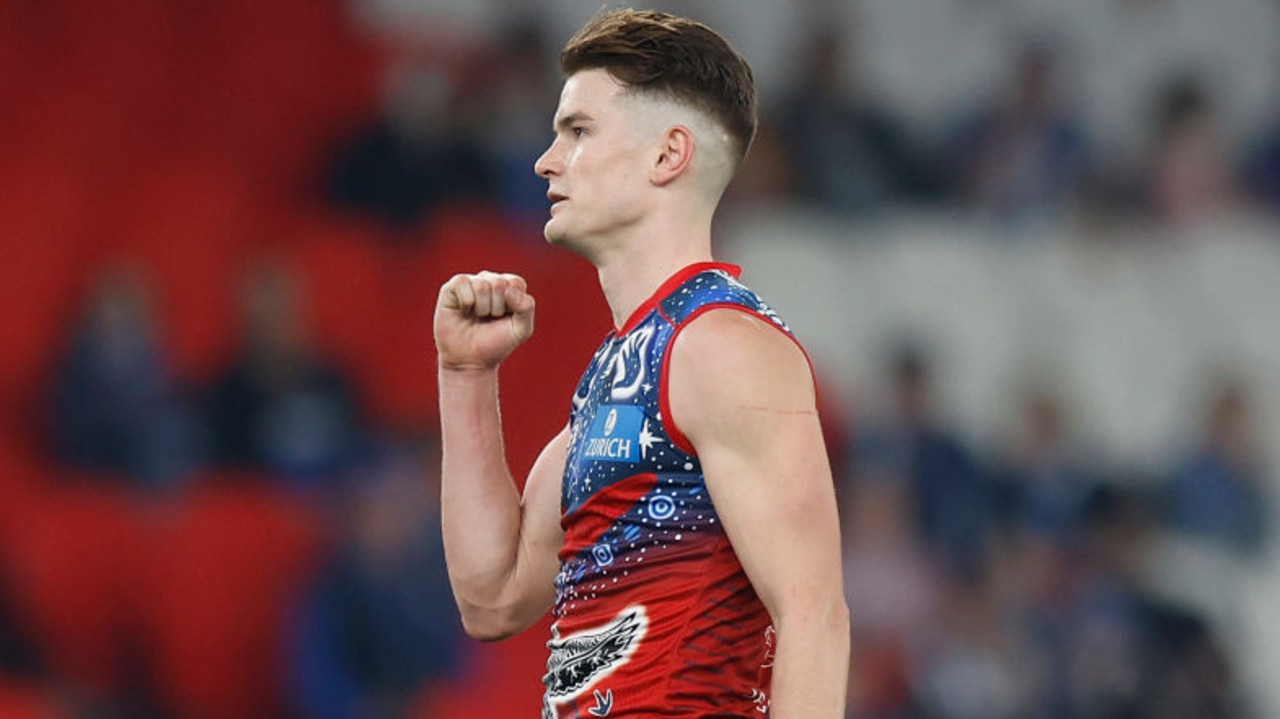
<point x="567" y="121"/>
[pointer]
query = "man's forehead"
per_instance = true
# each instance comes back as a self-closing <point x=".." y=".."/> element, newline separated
<point x="587" y="91"/>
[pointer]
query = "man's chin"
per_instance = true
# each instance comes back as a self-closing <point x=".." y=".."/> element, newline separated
<point x="555" y="235"/>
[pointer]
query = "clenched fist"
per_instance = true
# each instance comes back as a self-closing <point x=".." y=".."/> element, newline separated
<point x="481" y="319"/>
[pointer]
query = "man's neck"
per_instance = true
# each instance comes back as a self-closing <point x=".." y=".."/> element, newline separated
<point x="630" y="276"/>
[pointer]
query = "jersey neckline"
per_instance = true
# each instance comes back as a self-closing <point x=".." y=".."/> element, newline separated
<point x="669" y="286"/>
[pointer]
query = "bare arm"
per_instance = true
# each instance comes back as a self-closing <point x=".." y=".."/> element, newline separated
<point x="766" y="467"/>
<point x="500" y="547"/>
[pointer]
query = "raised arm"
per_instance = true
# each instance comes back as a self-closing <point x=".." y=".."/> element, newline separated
<point x="760" y="444"/>
<point x="500" y="547"/>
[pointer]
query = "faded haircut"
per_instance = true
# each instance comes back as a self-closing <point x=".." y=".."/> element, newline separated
<point x="674" y="59"/>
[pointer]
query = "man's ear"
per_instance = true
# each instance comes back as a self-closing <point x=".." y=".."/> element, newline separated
<point x="675" y="152"/>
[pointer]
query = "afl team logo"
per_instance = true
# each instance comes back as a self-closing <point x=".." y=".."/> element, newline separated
<point x="611" y="422"/>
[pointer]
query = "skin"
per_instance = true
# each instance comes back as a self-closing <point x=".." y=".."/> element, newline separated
<point x="634" y="184"/>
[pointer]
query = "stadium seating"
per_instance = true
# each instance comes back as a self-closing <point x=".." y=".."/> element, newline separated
<point x="234" y="554"/>
<point x="76" y="556"/>
<point x="25" y="700"/>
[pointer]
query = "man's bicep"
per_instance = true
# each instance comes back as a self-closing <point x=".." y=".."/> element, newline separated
<point x="541" y="533"/>
<point x="777" y="505"/>
<point x="760" y="443"/>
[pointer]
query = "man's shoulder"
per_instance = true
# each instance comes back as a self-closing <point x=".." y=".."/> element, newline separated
<point x="727" y="358"/>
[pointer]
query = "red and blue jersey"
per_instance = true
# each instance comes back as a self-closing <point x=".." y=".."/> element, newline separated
<point x="654" y="615"/>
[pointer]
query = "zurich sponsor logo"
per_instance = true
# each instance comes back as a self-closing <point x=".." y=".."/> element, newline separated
<point x="615" y="434"/>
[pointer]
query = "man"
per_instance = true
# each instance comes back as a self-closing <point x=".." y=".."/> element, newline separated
<point x="683" y="523"/>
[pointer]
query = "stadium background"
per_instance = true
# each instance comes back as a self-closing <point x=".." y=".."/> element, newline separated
<point x="193" y="192"/>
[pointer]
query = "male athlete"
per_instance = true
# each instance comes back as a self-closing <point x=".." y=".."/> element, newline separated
<point x="682" y="526"/>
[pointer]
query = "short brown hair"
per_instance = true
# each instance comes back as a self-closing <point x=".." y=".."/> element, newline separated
<point x="672" y="58"/>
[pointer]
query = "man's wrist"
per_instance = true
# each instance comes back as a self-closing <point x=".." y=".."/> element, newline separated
<point x="463" y="371"/>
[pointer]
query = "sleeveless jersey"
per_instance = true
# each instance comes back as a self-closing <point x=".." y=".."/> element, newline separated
<point x="654" y="615"/>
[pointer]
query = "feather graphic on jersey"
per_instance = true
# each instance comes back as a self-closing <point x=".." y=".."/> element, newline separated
<point x="628" y="368"/>
<point x="578" y="661"/>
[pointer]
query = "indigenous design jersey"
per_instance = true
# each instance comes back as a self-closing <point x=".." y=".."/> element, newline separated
<point x="654" y="615"/>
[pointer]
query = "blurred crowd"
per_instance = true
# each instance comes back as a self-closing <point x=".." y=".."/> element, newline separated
<point x="1014" y="580"/>
<point x="1002" y="581"/>
<point x="1022" y="152"/>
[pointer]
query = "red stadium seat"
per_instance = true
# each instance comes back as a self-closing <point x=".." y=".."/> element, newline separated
<point x="117" y="64"/>
<point x="24" y="477"/>
<point x="343" y="266"/>
<point x="234" y="556"/>
<point x="264" y="82"/>
<point x="26" y="700"/>
<point x="463" y="240"/>
<point x="43" y="200"/>
<point x="75" y="560"/>
<point x="191" y="221"/>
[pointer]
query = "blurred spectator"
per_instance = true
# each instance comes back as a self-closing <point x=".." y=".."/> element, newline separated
<point x="19" y="653"/>
<point x="892" y="587"/>
<point x="1191" y="177"/>
<point x="1220" y="493"/>
<point x="1111" y="614"/>
<point x="521" y="97"/>
<point x="380" y="626"/>
<point x="1025" y="155"/>
<point x="952" y="499"/>
<point x="282" y="406"/>
<point x="1131" y="653"/>
<point x="972" y="667"/>
<point x="766" y="177"/>
<point x="422" y="152"/>
<point x="1076" y="617"/>
<point x="846" y="153"/>
<point x="1044" y="484"/>
<point x="1262" y="171"/>
<point x="1193" y="677"/>
<point x="115" y="405"/>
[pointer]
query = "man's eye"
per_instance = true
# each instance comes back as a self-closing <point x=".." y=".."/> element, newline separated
<point x="579" y="131"/>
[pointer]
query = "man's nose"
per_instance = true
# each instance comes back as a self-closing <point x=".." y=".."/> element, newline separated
<point x="548" y="164"/>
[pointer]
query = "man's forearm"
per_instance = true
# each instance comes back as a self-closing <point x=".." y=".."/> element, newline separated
<point x="479" y="501"/>
<point x="811" y="665"/>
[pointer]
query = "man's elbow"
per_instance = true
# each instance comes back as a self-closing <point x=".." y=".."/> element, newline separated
<point x="825" y="615"/>
<point x="488" y="624"/>
<point x="840" y="618"/>
<point x="486" y="632"/>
